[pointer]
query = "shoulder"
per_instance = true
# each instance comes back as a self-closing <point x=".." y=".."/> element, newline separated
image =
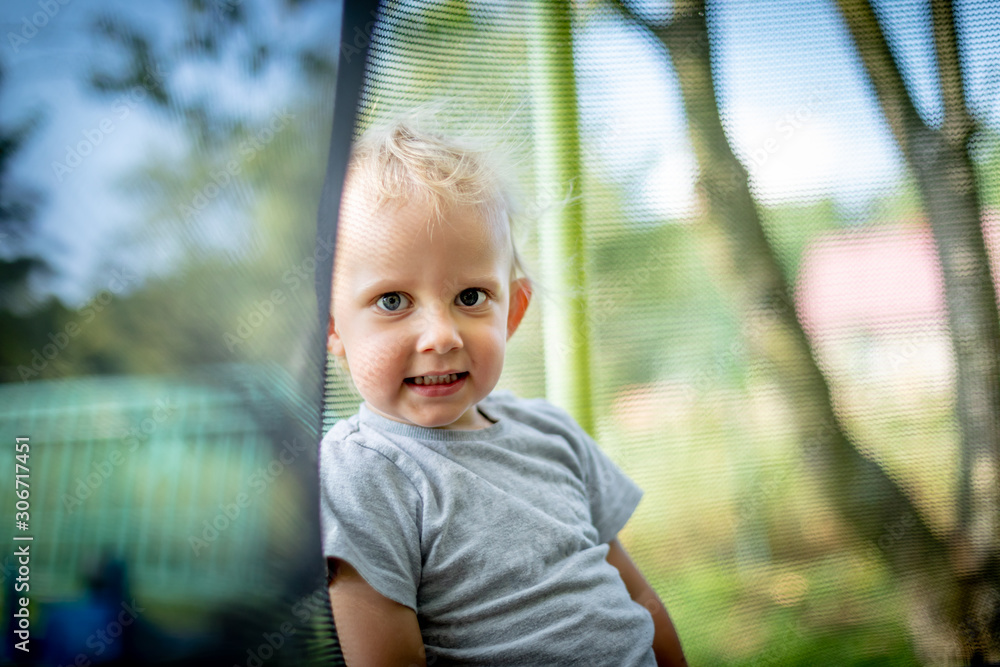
<point x="353" y="437"/>
<point x="355" y="451"/>
<point x="537" y="413"/>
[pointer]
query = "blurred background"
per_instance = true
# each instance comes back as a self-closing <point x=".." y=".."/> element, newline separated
<point x="160" y="345"/>
<point x="763" y="240"/>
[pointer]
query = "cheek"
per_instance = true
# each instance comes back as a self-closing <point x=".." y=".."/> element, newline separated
<point x="375" y="358"/>
<point x="492" y="344"/>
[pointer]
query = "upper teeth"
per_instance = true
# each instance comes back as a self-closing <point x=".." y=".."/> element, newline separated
<point x="435" y="379"/>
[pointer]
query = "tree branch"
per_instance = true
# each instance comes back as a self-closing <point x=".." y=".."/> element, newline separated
<point x="958" y="123"/>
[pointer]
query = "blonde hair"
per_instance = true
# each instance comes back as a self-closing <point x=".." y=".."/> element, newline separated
<point x="399" y="161"/>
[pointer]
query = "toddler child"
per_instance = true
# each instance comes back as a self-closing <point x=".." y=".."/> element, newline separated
<point x="461" y="525"/>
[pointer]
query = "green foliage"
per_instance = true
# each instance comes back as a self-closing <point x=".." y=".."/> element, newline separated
<point x="640" y="284"/>
<point x="223" y="212"/>
<point x="985" y="149"/>
<point x="19" y="203"/>
<point x="791" y="227"/>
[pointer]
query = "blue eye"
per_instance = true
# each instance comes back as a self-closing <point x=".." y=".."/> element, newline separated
<point x="392" y="302"/>
<point x="471" y="297"/>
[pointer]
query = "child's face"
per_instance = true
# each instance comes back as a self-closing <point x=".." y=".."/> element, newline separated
<point x="422" y="310"/>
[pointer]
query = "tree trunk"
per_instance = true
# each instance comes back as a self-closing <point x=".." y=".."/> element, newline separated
<point x="940" y="162"/>
<point x="860" y="490"/>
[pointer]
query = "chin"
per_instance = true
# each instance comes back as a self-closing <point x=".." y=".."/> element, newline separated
<point x="439" y="420"/>
<point x="436" y="423"/>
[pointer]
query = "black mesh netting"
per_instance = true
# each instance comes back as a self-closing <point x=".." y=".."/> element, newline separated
<point x="790" y="323"/>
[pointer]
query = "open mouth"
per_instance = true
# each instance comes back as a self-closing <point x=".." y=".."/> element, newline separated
<point x="428" y="380"/>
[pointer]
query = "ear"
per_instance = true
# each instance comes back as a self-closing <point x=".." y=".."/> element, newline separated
<point x="520" y="297"/>
<point x="334" y="345"/>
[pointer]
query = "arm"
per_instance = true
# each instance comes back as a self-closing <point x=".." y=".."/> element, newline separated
<point x="373" y="630"/>
<point x="666" y="643"/>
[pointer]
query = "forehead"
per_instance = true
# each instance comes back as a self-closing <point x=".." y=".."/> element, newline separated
<point x="375" y="232"/>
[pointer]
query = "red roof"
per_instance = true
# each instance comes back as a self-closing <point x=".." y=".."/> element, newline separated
<point x="874" y="278"/>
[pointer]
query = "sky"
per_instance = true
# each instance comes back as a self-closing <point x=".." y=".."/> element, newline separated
<point x="795" y="103"/>
<point x="87" y="207"/>
<point x="795" y="100"/>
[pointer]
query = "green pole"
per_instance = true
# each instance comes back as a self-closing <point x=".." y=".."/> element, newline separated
<point x="561" y="241"/>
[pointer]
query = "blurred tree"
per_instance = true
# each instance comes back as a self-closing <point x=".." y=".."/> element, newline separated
<point x="864" y="494"/>
<point x="233" y="210"/>
<point x="939" y="158"/>
<point x="19" y="203"/>
<point x="181" y="199"/>
<point x="18" y="206"/>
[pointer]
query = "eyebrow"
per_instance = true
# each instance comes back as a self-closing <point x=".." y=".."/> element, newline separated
<point x="385" y="285"/>
<point x="482" y="281"/>
<point x="378" y="286"/>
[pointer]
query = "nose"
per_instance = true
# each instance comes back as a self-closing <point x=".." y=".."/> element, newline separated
<point x="439" y="332"/>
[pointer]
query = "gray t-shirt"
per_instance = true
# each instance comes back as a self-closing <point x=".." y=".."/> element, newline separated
<point x="497" y="537"/>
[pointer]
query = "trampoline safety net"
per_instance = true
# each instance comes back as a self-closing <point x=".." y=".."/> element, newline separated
<point x="762" y="238"/>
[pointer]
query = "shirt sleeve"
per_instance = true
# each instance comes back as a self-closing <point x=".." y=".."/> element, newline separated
<point x="613" y="495"/>
<point x="369" y="515"/>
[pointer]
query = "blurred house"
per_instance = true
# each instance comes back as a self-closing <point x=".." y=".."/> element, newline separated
<point x="873" y="304"/>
